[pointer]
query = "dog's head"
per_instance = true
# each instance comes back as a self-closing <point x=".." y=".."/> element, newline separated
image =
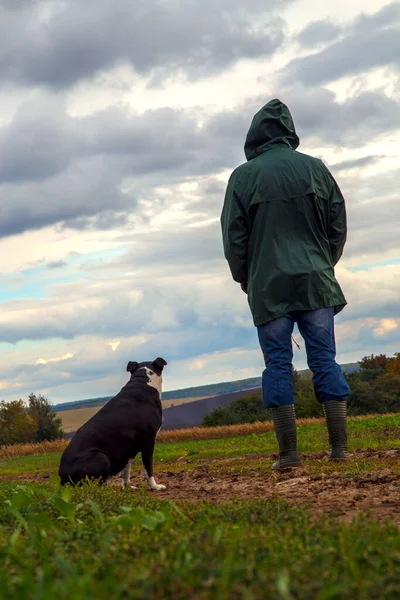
<point x="151" y="370"/>
<point x="156" y="366"/>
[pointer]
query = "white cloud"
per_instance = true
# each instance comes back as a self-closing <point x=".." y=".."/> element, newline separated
<point x="386" y="326"/>
<point x="45" y="361"/>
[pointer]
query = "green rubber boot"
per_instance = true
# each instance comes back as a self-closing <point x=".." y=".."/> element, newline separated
<point x="335" y="415"/>
<point x="285" y="429"/>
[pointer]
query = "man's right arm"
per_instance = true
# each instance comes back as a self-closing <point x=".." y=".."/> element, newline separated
<point x="235" y="234"/>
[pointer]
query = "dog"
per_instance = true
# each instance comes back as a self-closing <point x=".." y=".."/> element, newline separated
<point x="128" y="424"/>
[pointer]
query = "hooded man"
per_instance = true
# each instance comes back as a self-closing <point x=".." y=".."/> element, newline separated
<point x="284" y="229"/>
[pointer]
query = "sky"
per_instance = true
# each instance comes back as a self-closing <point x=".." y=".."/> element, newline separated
<point x="120" y="124"/>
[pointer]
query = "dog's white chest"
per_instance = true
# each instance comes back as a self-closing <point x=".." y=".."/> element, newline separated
<point x="154" y="380"/>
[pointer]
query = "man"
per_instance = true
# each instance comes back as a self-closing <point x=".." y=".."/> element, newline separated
<point x="284" y="229"/>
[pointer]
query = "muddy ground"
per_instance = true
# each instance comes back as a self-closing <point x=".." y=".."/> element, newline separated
<point x="377" y="492"/>
<point x="333" y="492"/>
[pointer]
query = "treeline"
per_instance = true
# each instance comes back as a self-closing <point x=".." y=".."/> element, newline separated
<point x="375" y="388"/>
<point x="22" y="423"/>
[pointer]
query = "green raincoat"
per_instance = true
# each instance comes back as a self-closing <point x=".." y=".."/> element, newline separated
<point x="283" y="222"/>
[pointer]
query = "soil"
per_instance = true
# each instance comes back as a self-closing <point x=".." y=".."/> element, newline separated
<point x="377" y="492"/>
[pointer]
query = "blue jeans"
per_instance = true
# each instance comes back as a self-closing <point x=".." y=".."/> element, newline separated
<point x="317" y="329"/>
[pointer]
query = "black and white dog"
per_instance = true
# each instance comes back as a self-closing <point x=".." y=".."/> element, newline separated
<point x="128" y="424"/>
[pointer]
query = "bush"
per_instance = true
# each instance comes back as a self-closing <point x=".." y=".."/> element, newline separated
<point x="248" y="409"/>
<point x="20" y="424"/>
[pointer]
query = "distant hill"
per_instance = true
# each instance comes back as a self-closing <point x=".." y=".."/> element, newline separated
<point x="212" y="390"/>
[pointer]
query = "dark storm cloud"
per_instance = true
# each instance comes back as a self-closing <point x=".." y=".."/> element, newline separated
<point x="89" y="172"/>
<point x="318" y="32"/>
<point x="84" y="189"/>
<point x="43" y="141"/>
<point x="356" y="121"/>
<point x="58" y="168"/>
<point x="56" y="44"/>
<point x="39" y="142"/>
<point x="106" y="220"/>
<point x="370" y="41"/>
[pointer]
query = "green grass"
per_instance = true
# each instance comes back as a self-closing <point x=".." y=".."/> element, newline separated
<point x="377" y="432"/>
<point x="107" y="543"/>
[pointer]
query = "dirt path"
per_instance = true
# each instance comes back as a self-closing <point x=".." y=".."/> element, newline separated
<point x="377" y="491"/>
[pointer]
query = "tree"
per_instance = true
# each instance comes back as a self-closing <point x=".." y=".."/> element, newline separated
<point x="48" y="425"/>
<point x="362" y="399"/>
<point x="394" y="366"/>
<point x="16" y="425"/>
<point x="307" y="405"/>
<point x="380" y="361"/>
<point x="248" y="409"/>
<point x="387" y="393"/>
<point x="372" y="367"/>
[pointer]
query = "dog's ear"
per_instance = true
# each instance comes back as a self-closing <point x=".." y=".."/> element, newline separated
<point x="159" y="363"/>
<point x="132" y="366"/>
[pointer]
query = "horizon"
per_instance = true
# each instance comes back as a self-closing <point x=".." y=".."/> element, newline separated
<point x="218" y="383"/>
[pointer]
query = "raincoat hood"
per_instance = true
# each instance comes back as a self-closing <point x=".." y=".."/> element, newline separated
<point x="273" y="124"/>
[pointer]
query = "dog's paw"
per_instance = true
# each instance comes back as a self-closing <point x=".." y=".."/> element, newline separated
<point x="156" y="487"/>
<point x="126" y="486"/>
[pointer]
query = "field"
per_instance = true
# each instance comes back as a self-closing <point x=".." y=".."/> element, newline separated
<point x="226" y="527"/>
<point x="73" y="419"/>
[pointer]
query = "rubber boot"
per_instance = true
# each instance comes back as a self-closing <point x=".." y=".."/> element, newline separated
<point x="335" y="415"/>
<point x="285" y="429"/>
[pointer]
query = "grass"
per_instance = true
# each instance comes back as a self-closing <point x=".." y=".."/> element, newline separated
<point x="107" y="543"/>
<point x="375" y="422"/>
<point x="375" y="432"/>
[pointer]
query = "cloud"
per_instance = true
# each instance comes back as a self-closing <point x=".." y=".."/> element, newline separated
<point x="373" y="214"/>
<point x="56" y="359"/>
<point x="81" y="190"/>
<point x="318" y="32"/>
<point x="386" y="325"/>
<point x="93" y="172"/>
<point x="370" y="41"/>
<point x="57" y="44"/>
<point x="160" y="294"/>
<point x="57" y="264"/>
<point x="355" y="163"/>
<point x="352" y="122"/>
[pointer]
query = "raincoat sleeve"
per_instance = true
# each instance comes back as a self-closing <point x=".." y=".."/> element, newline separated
<point x="235" y="234"/>
<point x="337" y="232"/>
